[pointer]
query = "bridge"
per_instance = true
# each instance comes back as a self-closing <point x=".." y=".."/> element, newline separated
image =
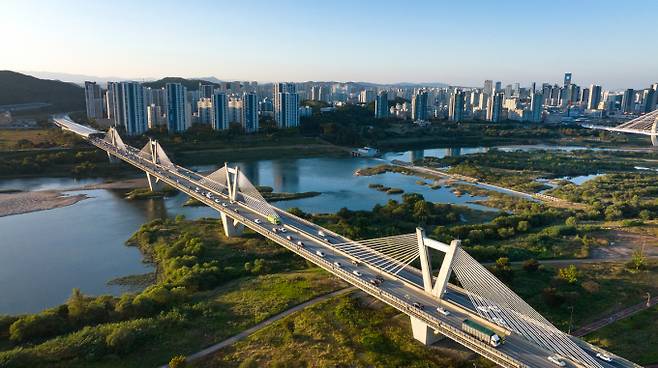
<point x="381" y="267"/>
<point x="646" y="124"/>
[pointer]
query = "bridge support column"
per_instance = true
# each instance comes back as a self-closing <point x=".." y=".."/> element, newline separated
<point x="446" y="269"/>
<point x="154" y="183"/>
<point x="113" y="159"/>
<point x="231" y="227"/>
<point x="424" y="333"/>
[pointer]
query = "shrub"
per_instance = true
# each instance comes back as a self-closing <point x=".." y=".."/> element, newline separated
<point x="531" y="265"/>
<point x="178" y="362"/>
<point x="121" y="339"/>
<point x="568" y="274"/>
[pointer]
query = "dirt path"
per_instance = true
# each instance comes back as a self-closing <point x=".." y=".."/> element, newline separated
<point x="614" y="317"/>
<point x="244" y="334"/>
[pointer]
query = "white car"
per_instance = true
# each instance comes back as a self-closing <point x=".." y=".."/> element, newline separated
<point x="357" y="273"/>
<point x="337" y="264"/>
<point x="300" y="243"/>
<point x="604" y="357"/>
<point x="289" y="237"/>
<point x="443" y="311"/>
<point x="217" y="200"/>
<point x="321" y="233"/>
<point x="283" y="230"/>
<point x="557" y="360"/>
<point x="257" y="221"/>
<point x="224" y="204"/>
<point x="319" y="253"/>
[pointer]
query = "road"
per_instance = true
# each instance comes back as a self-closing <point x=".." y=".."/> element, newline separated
<point x="614" y="317"/>
<point x="401" y="291"/>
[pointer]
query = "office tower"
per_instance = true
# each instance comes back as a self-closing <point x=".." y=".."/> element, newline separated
<point x="456" y="108"/>
<point x="177" y="114"/>
<point x="94" y="100"/>
<point x="498" y="87"/>
<point x="495" y="107"/>
<point x="536" y="106"/>
<point x="584" y="96"/>
<point x="286" y="105"/>
<point x="567" y="79"/>
<point x="204" y="108"/>
<point x="153" y="116"/>
<point x="419" y="106"/>
<point x="219" y="111"/>
<point x="130" y="111"/>
<point x="533" y="88"/>
<point x="649" y="100"/>
<point x="381" y="105"/>
<point x="206" y="90"/>
<point x="488" y="87"/>
<point x="627" y="101"/>
<point x="250" y="112"/>
<point x="594" y="97"/>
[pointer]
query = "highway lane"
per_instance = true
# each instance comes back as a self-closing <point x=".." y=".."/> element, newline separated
<point x="407" y="289"/>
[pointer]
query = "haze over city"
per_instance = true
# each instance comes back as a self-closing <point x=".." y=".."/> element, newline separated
<point x="459" y="43"/>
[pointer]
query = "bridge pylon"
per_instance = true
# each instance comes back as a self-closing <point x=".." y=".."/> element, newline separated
<point x="113" y="137"/>
<point x="438" y="288"/>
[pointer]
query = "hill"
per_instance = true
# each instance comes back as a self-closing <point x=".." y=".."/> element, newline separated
<point x="17" y="88"/>
<point x="190" y="84"/>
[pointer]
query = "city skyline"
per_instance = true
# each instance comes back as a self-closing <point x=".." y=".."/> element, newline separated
<point x="447" y="43"/>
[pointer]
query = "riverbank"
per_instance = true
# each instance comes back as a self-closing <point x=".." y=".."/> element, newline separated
<point x="16" y="203"/>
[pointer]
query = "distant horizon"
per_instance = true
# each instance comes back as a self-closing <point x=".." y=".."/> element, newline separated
<point x="81" y="78"/>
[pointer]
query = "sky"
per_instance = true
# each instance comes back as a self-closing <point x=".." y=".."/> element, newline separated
<point x="612" y="43"/>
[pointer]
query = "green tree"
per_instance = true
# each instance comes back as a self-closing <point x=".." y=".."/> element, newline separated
<point x="638" y="259"/>
<point x="571" y="221"/>
<point x="76" y="304"/>
<point x="178" y="361"/>
<point x="569" y="274"/>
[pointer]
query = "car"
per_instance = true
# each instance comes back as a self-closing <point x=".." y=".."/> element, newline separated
<point x="236" y="210"/>
<point x="319" y="253"/>
<point x="380" y="278"/>
<point x="419" y="306"/>
<point x="357" y="273"/>
<point x="321" y="233"/>
<point x="289" y="237"/>
<point x="300" y="243"/>
<point x="258" y="221"/>
<point x="337" y="264"/>
<point x="197" y="189"/>
<point x="275" y="230"/>
<point x="443" y="311"/>
<point x="224" y="204"/>
<point x="557" y="360"/>
<point x="283" y="230"/>
<point x="327" y="240"/>
<point x="356" y="263"/>
<point x="375" y="282"/>
<point x="217" y="200"/>
<point x="604" y="357"/>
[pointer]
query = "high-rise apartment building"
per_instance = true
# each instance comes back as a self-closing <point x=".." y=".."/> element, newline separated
<point x="628" y="101"/>
<point x="206" y="90"/>
<point x="419" y="106"/>
<point x="381" y="105"/>
<point x="488" y="87"/>
<point x="649" y="100"/>
<point x="286" y="105"/>
<point x="94" y="100"/>
<point x="594" y="97"/>
<point x="495" y="107"/>
<point x="567" y="79"/>
<point x="129" y="109"/>
<point x="250" y="112"/>
<point x="177" y="114"/>
<point x="536" y="107"/>
<point x="219" y="111"/>
<point x="204" y="108"/>
<point x="456" y="107"/>
<point x="366" y="96"/>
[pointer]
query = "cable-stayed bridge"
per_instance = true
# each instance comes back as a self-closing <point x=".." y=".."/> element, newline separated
<point x="507" y="330"/>
<point x="646" y="124"/>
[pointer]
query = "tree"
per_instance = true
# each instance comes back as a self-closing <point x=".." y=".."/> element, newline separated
<point x="571" y="221"/>
<point x="531" y="265"/>
<point x="638" y="259"/>
<point x="569" y="274"/>
<point x="76" y="304"/>
<point x="523" y="226"/>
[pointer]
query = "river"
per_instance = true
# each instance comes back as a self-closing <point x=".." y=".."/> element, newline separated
<point x="44" y="255"/>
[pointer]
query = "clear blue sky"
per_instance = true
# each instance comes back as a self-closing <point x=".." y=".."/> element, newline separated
<point x="459" y="42"/>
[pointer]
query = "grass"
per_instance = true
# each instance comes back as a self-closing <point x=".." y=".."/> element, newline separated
<point x="633" y="338"/>
<point x="601" y="289"/>
<point x="346" y="331"/>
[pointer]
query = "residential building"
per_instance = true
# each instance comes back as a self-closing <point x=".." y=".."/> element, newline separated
<point x="219" y="111"/>
<point x="456" y="107"/>
<point x="628" y="101"/>
<point x="130" y="110"/>
<point x="286" y="105"/>
<point x="94" y="101"/>
<point x="419" y="106"/>
<point x="250" y="112"/>
<point x="381" y="105"/>
<point x="495" y="107"/>
<point x="204" y="108"/>
<point x="177" y="111"/>
<point x="594" y="97"/>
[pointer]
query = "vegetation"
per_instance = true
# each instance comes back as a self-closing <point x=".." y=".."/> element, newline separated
<point x="346" y="331"/>
<point x="19" y="88"/>
<point x="182" y="312"/>
<point x="146" y="193"/>
<point x="638" y="346"/>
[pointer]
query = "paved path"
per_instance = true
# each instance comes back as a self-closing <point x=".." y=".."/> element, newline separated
<point x="233" y="339"/>
<point x="624" y="313"/>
